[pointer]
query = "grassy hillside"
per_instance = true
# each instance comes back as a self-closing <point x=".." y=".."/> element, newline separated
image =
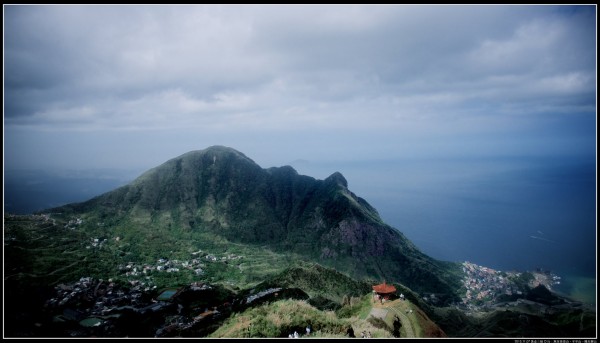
<point x="283" y="317"/>
<point x="319" y="281"/>
<point x="280" y="318"/>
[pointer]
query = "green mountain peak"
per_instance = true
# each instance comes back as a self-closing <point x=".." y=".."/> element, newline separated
<point x="337" y="178"/>
<point x="221" y="191"/>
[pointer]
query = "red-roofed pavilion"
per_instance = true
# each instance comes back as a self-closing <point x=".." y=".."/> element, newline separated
<point x="383" y="290"/>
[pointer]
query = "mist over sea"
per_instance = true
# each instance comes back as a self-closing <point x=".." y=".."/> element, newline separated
<point x="506" y="213"/>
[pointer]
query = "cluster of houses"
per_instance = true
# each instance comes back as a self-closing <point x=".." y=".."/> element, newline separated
<point x="484" y="284"/>
<point x="213" y="258"/>
<point x="96" y="307"/>
<point x="162" y="265"/>
<point x="98" y="303"/>
<point x="71" y="224"/>
<point x="96" y="297"/>
<point x="173" y="266"/>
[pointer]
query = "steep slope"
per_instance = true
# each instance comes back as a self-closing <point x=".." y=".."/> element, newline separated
<point x="223" y="192"/>
<point x="318" y="282"/>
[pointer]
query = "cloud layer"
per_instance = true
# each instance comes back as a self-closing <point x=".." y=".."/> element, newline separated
<point x="430" y="74"/>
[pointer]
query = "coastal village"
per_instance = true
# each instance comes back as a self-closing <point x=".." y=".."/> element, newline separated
<point x="485" y="287"/>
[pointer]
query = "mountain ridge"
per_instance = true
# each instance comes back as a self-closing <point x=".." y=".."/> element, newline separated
<point x="221" y="190"/>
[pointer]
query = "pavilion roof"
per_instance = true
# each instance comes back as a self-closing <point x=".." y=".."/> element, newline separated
<point x="383" y="288"/>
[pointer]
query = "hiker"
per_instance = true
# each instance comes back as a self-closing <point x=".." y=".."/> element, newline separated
<point x="296" y="334"/>
<point x="362" y="334"/>
<point x="308" y="329"/>
<point x="350" y="332"/>
<point x="369" y="334"/>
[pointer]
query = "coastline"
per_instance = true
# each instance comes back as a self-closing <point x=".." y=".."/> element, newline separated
<point x="579" y="288"/>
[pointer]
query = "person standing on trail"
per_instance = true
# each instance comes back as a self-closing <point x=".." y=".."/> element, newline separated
<point x="308" y="329"/>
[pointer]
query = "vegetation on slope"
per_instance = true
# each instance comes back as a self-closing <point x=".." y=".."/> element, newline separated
<point x="221" y="192"/>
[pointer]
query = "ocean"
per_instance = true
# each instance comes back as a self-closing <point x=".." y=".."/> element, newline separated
<point x="506" y="213"/>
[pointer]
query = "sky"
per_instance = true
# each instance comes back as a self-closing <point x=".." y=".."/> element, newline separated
<point x="133" y="86"/>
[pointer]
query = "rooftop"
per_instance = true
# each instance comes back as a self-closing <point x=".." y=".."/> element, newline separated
<point x="384" y="289"/>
